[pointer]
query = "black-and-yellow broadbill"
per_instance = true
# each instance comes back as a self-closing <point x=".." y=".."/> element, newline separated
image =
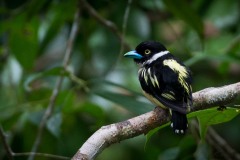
<point x="165" y="81"/>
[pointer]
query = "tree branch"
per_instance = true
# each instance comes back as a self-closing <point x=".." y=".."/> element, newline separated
<point x="122" y="38"/>
<point x="11" y="154"/>
<point x="124" y="27"/>
<point x="5" y="144"/>
<point x="108" y="24"/>
<point x="221" y="145"/>
<point x="142" y="124"/>
<point x="57" y="88"/>
<point x="216" y="141"/>
<point x="46" y="155"/>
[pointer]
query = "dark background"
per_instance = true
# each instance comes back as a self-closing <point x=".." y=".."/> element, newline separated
<point x="33" y="39"/>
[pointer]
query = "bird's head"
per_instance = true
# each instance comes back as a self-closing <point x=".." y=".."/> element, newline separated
<point x="147" y="51"/>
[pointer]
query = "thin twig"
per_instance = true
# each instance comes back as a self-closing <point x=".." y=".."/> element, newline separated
<point x="52" y="156"/>
<point x="11" y="154"/>
<point x="220" y="144"/>
<point x="142" y="124"/>
<point x="216" y="141"/>
<point x="110" y="25"/>
<point x="5" y="144"/>
<point x="234" y="43"/>
<point x="57" y="88"/>
<point x="124" y="27"/>
<point x="122" y="39"/>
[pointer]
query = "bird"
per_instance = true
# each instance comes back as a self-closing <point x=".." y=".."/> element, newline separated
<point x="165" y="81"/>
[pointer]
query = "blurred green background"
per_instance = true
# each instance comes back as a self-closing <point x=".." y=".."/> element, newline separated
<point x="33" y="39"/>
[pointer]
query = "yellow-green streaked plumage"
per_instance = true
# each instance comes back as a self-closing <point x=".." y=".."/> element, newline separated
<point x="152" y="80"/>
<point x="156" y="81"/>
<point x="146" y="74"/>
<point x="172" y="93"/>
<point x="168" y="96"/>
<point x="174" y="65"/>
<point x="142" y="73"/>
<point x="149" y="72"/>
<point x="150" y="76"/>
<point x="182" y="72"/>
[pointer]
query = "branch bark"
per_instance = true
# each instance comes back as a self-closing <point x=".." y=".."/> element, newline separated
<point x="142" y="124"/>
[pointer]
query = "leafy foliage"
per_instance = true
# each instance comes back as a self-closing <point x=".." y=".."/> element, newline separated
<point x="99" y="86"/>
<point x="210" y="117"/>
<point x="205" y="118"/>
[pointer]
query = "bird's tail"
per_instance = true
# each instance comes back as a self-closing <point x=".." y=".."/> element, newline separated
<point x="179" y="122"/>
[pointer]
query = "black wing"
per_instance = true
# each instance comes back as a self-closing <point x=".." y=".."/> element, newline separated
<point x="162" y="84"/>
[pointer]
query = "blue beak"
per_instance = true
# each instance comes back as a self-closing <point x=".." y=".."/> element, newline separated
<point x="133" y="54"/>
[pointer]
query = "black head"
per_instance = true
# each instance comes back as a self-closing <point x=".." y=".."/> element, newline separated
<point x="145" y="51"/>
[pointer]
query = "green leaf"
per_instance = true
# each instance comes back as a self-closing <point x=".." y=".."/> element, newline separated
<point x="23" y="40"/>
<point x="207" y="117"/>
<point x="202" y="151"/>
<point x="121" y="87"/>
<point x="213" y="116"/>
<point x="223" y="58"/>
<point x="54" y="124"/>
<point x="205" y="56"/>
<point x="139" y="24"/>
<point x="36" y="117"/>
<point x="187" y="146"/>
<point x="66" y="100"/>
<point x="93" y="109"/>
<point x="223" y="18"/>
<point x="184" y="11"/>
<point x="128" y="102"/>
<point x="152" y="132"/>
<point x="234" y="47"/>
<point x="224" y="67"/>
<point x="170" y="154"/>
<point x="56" y="71"/>
<point x="34" y="7"/>
<point x="195" y="59"/>
<point x="95" y="112"/>
<point x="55" y="21"/>
<point x="218" y="45"/>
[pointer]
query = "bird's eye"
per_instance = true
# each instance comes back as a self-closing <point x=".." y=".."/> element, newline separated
<point x="147" y="51"/>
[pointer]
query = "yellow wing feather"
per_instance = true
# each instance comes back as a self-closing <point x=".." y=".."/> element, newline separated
<point x="182" y="72"/>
